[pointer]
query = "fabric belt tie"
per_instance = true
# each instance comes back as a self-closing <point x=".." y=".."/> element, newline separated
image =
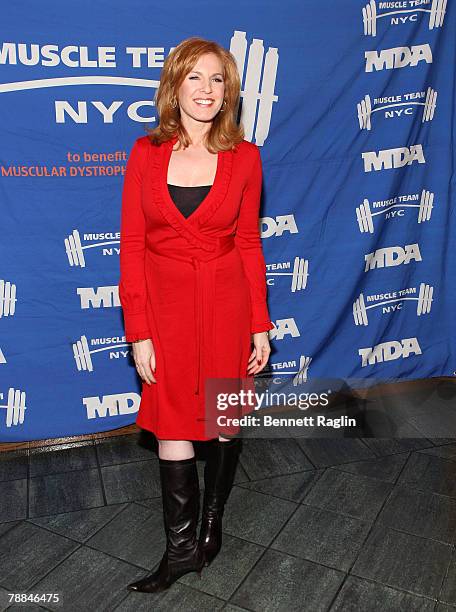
<point x="226" y="244"/>
<point x="198" y="320"/>
<point x="222" y="246"/>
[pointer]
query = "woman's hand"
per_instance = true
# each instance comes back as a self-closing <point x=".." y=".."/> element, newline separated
<point x="144" y="356"/>
<point x="260" y="354"/>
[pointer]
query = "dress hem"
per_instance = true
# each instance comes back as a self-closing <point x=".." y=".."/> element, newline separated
<point x="177" y="437"/>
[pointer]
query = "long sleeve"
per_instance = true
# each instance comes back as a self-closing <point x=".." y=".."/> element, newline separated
<point x="132" y="283"/>
<point x="248" y="242"/>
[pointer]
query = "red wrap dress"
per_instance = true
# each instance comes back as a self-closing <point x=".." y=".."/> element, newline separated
<point x="196" y="286"/>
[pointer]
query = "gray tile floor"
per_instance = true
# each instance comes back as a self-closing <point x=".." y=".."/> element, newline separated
<point x="341" y="524"/>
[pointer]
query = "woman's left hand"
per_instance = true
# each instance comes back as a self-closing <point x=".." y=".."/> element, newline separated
<point x="260" y="354"/>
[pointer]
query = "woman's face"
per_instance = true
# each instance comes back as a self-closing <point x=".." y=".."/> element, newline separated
<point x="204" y="82"/>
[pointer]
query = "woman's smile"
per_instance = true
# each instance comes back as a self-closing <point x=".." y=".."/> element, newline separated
<point x="204" y="102"/>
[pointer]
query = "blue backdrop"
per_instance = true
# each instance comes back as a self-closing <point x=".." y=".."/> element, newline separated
<point x="351" y="104"/>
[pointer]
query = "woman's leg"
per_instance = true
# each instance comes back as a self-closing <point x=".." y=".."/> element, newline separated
<point x="175" y="449"/>
<point x="180" y="499"/>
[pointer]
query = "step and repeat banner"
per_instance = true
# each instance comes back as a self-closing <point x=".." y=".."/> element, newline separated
<point x="352" y="106"/>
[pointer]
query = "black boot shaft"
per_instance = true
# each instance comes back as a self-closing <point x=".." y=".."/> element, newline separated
<point x="220" y="470"/>
<point x="219" y="475"/>
<point x="181" y="505"/>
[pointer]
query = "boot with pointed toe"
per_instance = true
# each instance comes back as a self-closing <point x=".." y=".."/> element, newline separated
<point x="219" y="474"/>
<point x="181" y="504"/>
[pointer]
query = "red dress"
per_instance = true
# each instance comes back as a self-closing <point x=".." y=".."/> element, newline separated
<point x="196" y="286"/>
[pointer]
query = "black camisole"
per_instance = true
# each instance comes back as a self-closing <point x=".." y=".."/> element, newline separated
<point x="187" y="199"/>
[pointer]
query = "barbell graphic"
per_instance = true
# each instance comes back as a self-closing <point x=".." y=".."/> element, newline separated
<point x="365" y="109"/>
<point x="301" y="376"/>
<point x="82" y="353"/>
<point x="75" y="250"/>
<point x="436" y="15"/>
<point x="15" y="407"/>
<point x="365" y="216"/>
<point x="299" y="274"/>
<point x="7" y="298"/>
<point x="424" y="302"/>
<point x="259" y="68"/>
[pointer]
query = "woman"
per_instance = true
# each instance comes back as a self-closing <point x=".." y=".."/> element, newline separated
<point x="192" y="288"/>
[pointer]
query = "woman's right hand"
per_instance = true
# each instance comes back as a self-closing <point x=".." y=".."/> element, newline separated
<point x="144" y="356"/>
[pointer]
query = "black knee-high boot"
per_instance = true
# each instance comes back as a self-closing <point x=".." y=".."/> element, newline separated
<point x="181" y="504"/>
<point x="219" y="474"/>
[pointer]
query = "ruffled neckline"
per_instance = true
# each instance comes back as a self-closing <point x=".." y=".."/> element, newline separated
<point x="189" y="227"/>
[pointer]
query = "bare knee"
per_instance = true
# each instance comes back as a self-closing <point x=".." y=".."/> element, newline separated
<point x="175" y="449"/>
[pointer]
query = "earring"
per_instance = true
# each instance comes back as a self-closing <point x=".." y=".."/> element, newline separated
<point x="223" y="105"/>
<point x="173" y="102"/>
